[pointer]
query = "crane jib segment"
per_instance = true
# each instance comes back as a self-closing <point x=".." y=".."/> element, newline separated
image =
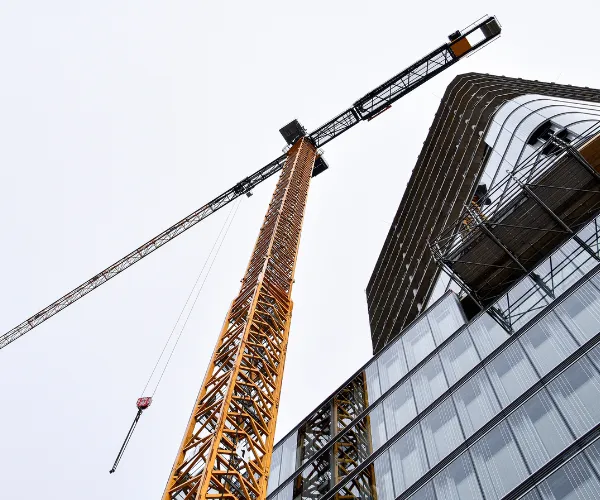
<point x="147" y="248"/>
<point x="380" y="98"/>
<point x="367" y="107"/>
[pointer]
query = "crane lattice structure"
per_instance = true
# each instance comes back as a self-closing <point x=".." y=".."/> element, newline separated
<point x="227" y="447"/>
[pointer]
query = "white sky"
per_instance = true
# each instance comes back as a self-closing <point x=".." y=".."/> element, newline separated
<point x="119" y="118"/>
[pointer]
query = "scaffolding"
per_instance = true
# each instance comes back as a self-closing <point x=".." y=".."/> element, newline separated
<point x="504" y="254"/>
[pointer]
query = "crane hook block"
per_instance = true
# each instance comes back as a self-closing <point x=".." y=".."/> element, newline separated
<point x="143" y="403"/>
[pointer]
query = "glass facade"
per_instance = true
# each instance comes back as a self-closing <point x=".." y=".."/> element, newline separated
<point x="457" y="410"/>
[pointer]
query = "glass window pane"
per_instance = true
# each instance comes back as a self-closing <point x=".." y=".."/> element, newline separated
<point x="498" y="462"/>
<point x="409" y="462"/>
<point x="487" y="334"/>
<point x="399" y="408"/>
<point x="511" y="373"/>
<point x="274" y="472"/>
<point x="441" y="431"/>
<point x="288" y="457"/>
<point x="314" y="433"/>
<point x="581" y="312"/>
<point x="445" y="318"/>
<point x="392" y="366"/>
<point x="315" y="479"/>
<point x="476" y="402"/>
<point x="573" y="481"/>
<point x="429" y="382"/>
<point x="458" y="481"/>
<point x="373" y="388"/>
<point x="377" y="425"/>
<point x="577" y="394"/>
<point x="383" y="477"/>
<point x="286" y="493"/>
<point x="459" y="356"/>
<point x="548" y="343"/>
<point x="540" y="430"/>
<point x="418" y="343"/>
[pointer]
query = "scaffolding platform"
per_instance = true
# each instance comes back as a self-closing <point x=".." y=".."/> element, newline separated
<point x="542" y="203"/>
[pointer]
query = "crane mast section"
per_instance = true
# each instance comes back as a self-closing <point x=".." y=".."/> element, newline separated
<point x="227" y="446"/>
<point x="242" y="187"/>
<point x="382" y="97"/>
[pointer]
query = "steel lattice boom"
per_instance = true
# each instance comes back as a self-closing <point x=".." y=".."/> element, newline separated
<point x="147" y="248"/>
<point x="366" y="108"/>
<point x="226" y="450"/>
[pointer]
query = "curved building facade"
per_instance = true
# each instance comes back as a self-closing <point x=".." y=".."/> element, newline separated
<point x="481" y="128"/>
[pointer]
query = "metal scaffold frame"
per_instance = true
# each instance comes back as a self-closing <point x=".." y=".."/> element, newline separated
<point x="526" y="219"/>
<point x="226" y="450"/>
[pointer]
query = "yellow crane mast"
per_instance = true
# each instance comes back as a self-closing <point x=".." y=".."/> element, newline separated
<point x="226" y="449"/>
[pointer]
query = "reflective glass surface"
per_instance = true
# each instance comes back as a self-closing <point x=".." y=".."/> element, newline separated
<point x="459" y="356"/>
<point x="418" y="343"/>
<point x="547" y="343"/>
<point x="408" y="459"/>
<point x="487" y="335"/>
<point x="399" y="408"/>
<point x="441" y="431"/>
<point x="573" y="481"/>
<point x="476" y="402"/>
<point x="577" y="394"/>
<point x="498" y="461"/>
<point x="392" y="365"/>
<point x="429" y="382"/>
<point x="458" y="481"/>
<point x="511" y="373"/>
<point x="581" y="311"/>
<point x="540" y="430"/>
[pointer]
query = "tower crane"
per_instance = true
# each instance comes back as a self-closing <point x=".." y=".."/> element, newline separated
<point x="226" y="449"/>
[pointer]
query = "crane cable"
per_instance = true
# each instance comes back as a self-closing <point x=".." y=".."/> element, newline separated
<point x="225" y="228"/>
<point x="144" y="402"/>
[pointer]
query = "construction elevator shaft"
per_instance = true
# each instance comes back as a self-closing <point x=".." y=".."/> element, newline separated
<point x="226" y="450"/>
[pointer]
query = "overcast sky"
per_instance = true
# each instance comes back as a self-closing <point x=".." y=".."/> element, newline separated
<point x="118" y="118"/>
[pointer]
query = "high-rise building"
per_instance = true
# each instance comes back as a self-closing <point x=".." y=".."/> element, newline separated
<point x="485" y="382"/>
<point x="462" y="151"/>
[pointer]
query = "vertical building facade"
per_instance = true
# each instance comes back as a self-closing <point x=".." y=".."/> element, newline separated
<point x="491" y="389"/>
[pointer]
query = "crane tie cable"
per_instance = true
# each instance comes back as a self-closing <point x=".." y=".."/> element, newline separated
<point x="145" y="402"/>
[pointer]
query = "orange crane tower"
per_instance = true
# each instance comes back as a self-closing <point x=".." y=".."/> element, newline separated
<point x="225" y="452"/>
<point x="227" y="447"/>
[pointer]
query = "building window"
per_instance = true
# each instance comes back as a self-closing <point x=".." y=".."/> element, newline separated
<point x="429" y="382"/>
<point x="540" y="430"/>
<point x="577" y="393"/>
<point x="408" y="458"/>
<point x="392" y="366"/>
<point x="458" y="481"/>
<point x="418" y="343"/>
<point x="459" y="356"/>
<point x="548" y="343"/>
<point x="399" y="408"/>
<point x="511" y="373"/>
<point x="498" y="462"/>
<point x="441" y="431"/>
<point x="574" y="480"/>
<point x="476" y="402"/>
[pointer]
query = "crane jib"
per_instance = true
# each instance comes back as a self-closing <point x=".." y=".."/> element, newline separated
<point x="370" y="105"/>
